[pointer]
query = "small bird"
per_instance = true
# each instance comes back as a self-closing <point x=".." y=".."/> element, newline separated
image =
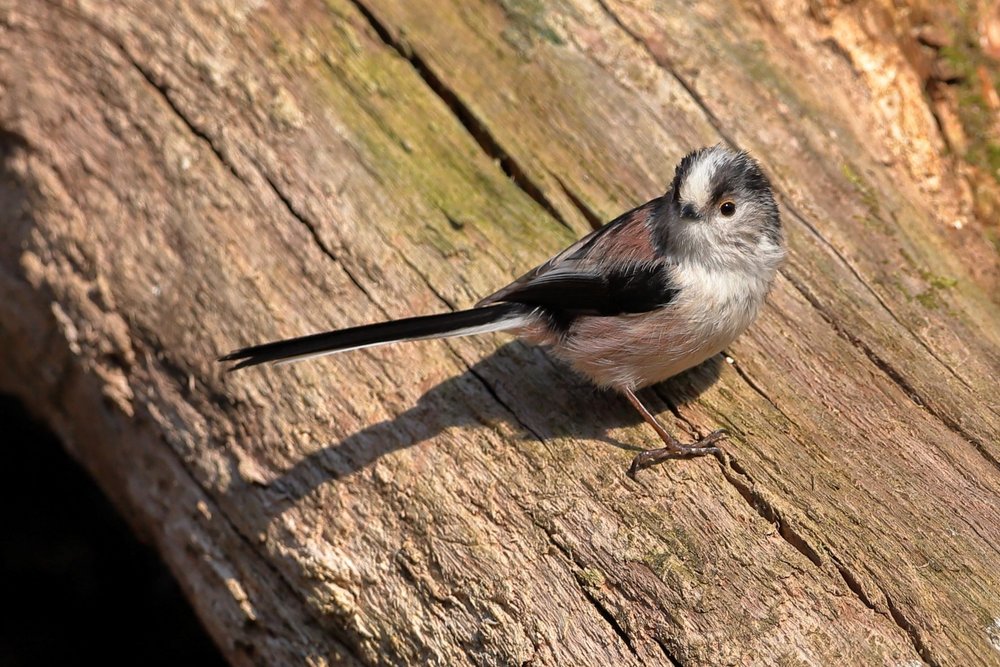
<point x="654" y="292"/>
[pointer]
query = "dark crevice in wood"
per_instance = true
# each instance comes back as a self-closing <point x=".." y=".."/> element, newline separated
<point x="733" y="471"/>
<point x="496" y="397"/>
<point x="595" y="221"/>
<point x="893" y="612"/>
<point x="914" y="633"/>
<point x="853" y="583"/>
<point x="671" y="658"/>
<point x="489" y="388"/>
<point x="796" y="541"/>
<point x="474" y="126"/>
<point x="609" y="618"/>
<point x="314" y="233"/>
<point x="757" y="388"/>
<point x="786" y="203"/>
<point x="471" y="370"/>
<point x="164" y="92"/>
<point x="886" y="368"/>
<point x="599" y="605"/>
<point x="588" y="595"/>
<point x="11" y="141"/>
<point x="204" y="136"/>
<point x="670" y="69"/>
<point x="423" y="277"/>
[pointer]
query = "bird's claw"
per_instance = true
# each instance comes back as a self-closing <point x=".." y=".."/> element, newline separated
<point x="652" y="457"/>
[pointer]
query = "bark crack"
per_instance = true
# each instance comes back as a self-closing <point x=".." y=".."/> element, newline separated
<point x="912" y="631"/>
<point x="732" y="471"/>
<point x="314" y="233"/>
<point x="476" y="128"/>
<point x="609" y="618"/>
<point x="595" y="221"/>
<point x="496" y="397"/>
<point x="735" y="474"/>
<point x="588" y="594"/>
<point x="786" y="202"/>
<point x="670" y="69"/>
<point x="163" y="91"/>
<point x="763" y="394"/>
<point x="769" y="513"/>
<point x="489" y="388"/>
<point x="667" y="653"/>
<point x="895" y="376"/>
<point x="892" y="611"/>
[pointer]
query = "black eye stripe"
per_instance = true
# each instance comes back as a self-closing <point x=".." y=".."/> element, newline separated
<point x="724" y="180"/>
<point x="719" y="192"/>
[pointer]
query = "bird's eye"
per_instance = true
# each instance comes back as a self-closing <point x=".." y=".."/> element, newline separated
<point x="727" y="208"/>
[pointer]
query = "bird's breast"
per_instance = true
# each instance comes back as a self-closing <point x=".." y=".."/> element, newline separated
<point x="710" y="310"/>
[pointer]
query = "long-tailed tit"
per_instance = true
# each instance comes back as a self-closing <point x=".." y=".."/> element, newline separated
<point x="652" y="293"/>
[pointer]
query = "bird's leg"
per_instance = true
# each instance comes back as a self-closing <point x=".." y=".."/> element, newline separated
<point x="673" y="449"/>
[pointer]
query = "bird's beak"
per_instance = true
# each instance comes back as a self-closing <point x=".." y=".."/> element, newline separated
<point x="688" y="212"/>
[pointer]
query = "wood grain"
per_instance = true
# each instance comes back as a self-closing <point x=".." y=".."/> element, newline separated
<point x="183" y="178"/>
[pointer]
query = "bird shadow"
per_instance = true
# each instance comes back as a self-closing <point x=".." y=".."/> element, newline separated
<point x="519" y="385"/>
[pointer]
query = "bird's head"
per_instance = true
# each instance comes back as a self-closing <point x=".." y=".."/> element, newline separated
<point x="722" y="206"/>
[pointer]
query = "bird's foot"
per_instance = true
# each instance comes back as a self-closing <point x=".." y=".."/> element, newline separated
<point x="675" y="450"/>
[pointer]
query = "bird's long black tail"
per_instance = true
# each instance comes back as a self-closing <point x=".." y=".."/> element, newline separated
<point x="462" y="323"/>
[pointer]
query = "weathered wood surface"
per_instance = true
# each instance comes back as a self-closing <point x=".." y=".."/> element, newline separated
<point x="181" y="178"/>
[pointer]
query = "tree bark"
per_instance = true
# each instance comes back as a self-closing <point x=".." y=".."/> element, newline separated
<point x="182" y="178"/>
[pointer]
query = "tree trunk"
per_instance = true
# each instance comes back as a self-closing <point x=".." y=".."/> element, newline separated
<point x="183" y="178"/>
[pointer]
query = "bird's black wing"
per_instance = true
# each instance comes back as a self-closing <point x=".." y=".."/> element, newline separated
<point x="631" y="227"/>
<point x="577" y="288"/>
<point x="613" y="270"/>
